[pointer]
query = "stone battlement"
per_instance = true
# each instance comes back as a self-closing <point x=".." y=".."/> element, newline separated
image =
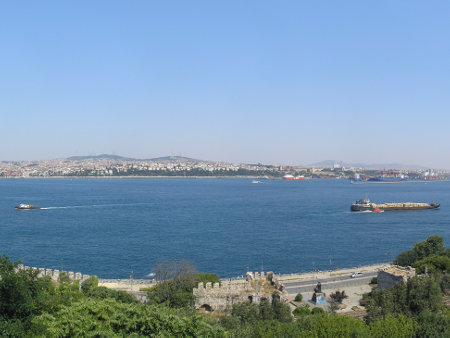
<point x="223" y="287"/>
<point x="54" y="274"/>
<point x="220" y="296"/>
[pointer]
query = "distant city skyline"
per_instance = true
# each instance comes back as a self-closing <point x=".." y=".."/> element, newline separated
<point x="291" y="83"/>
<point x="183" y="159"/>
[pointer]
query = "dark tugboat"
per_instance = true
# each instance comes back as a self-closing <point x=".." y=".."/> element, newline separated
<point x="362" y="205"/>
<point x="366" y="205"/>
<point x="22" y="206"/>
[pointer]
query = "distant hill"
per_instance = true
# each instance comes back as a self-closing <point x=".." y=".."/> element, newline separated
<point x="100" y="157"/>
<point x="121" y="158"/>
<point x="378" y="166"/>
<point x="175" y="159"/>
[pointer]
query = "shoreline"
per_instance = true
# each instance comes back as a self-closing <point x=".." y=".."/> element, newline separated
<point x="399" y="182"/>
<point x="137" y="284"/>
<point x="126" y="177"/>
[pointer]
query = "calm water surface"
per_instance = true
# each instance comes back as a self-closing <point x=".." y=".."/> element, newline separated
<point x="111" y="227"/>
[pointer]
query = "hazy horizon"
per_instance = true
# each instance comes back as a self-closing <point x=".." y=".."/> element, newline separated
<point x="324" y="163"/>
<point x="290" y="83"/>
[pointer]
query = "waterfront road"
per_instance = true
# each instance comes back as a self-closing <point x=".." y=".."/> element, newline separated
<point x="331" y="283"/>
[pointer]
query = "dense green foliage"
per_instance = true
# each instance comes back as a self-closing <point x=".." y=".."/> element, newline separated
<point x="298" y="297"/>
<point x="320" y="325"/>
<point x="22" y="296"/>
<point x="301" y="311"/>
<point x="420" y="294"/>
<point x="420" y="299"/>
<point x="177" y="292"/>
<point x="432" y="264"/>
<point x="37" y="307"/>
<point x="107" y="317"/>
<point x="250" y="312"/>
<point x="32" y="306"/>
<point x="317" y="310"/>
<point x="432" y="246"/>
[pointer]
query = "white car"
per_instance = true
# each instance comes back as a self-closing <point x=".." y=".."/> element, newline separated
<point x="356" y="274"/>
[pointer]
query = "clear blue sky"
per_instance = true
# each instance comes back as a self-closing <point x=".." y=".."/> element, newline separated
<point x="288" y="82"/>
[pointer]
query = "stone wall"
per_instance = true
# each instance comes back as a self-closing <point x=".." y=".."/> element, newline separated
<point x="54" y="274"/>
<point x="220" y="296"/>
<point x="390" y="276"/>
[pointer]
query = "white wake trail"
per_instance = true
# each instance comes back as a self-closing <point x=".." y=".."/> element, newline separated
<point x="93" y="206"/>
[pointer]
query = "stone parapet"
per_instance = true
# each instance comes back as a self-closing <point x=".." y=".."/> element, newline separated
<point x="55" y="274"/>
<point x="221" y="296"/>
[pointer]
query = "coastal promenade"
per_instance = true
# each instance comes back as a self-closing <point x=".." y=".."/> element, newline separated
<point x="330" y="276"/>
<point x="294" y="283"/>
<point x="332" y="281"/>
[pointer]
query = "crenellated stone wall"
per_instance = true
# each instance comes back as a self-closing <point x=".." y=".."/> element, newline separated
<point x="54" y="274"/>
<point x="220" y="296"/>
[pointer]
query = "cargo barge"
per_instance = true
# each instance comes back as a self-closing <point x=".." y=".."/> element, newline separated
<point x="366" y="205"/>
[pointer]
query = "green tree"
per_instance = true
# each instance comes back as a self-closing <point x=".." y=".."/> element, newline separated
<point x="89" y="284"/>
<point x="246" y="312"/>
<point x="433" y="245"/>
<point x="326" y="325"/>
<point x="395" y="327"/>
<point x="108" y="317"/>
<point x="22" y="296"/>
<point x="176" y="280"/>
<point x="64" y="277"/>
<point x="103" y="293"/>
<point x="434" y="324"/>
<point x="419" y="294"/>
<point x="266" y="311"/>
<point x="281" y="310"/>
<point x="433" y="263"/>
<point x="424" y="294"/>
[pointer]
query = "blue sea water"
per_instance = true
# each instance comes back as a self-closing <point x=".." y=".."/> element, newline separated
<point x="110" y="227"/>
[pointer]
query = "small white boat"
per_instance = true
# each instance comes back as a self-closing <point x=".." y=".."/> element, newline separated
<point x="256" y="181"/>
<point x="23" y="206"/>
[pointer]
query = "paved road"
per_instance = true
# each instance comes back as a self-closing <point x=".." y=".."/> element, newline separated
<point x="327" y="280"/>
<point x="334" y="283"/>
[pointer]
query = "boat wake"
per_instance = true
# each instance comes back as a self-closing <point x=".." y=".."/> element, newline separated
<point x="93" y="206"/>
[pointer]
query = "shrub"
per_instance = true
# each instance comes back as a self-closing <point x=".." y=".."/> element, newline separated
<point x="102" y="292"/>
<point x="338" y="296"/>
<point x="89" y="284"/>
<point x="374" y="280"/>
<point x="64" y="277"/>
<point x="317" y="311"/>
<point x="301" y="311"/>
<point x="363" y="301"/>
<point x="206" y="277"/>
<point x="299" y="297"/>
